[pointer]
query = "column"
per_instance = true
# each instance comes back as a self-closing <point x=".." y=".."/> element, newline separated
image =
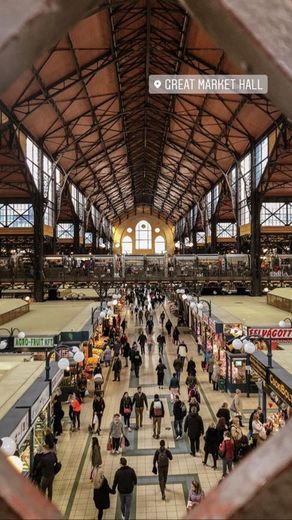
<point x="255" y="236"/>
<point x="213" y="225"/>
<point x="76" y="239"/>
<point x="38" y="239"/>
<point x="94" y="238"/>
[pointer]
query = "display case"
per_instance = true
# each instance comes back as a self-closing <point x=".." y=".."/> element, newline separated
<point x="237" y="368"/>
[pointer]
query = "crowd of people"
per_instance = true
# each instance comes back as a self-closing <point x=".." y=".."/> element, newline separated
<point x="224" y="440"/>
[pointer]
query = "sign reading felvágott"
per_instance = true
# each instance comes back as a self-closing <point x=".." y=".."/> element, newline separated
<point x="34" y="342"/>
<point x="275" y="333"/>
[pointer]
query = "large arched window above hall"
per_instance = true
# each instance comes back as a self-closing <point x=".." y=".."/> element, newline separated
<point x="159" y="245"/>
<point x="143" y="235"/>
<point x="127" y="246"/>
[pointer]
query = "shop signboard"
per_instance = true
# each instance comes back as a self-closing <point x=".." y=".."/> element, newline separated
<point x="76" y="336"/>
<point x="34" y="342"/>
<point x="56" y="379"/>
<point x="277" y="333"/>
<point x="40" y="403"/>
<point x="280" y="381"/>
<point x="259" y="364"/>
<point x="21" y="430"/>
<point x="215" y="325"/>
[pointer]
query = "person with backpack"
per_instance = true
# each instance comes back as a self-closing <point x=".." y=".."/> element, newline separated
<point x="179" y="412"/>
<point x="156" y="414"/>
<point x="168" y="326"/>
<point x="161" y="458"/>
<point x="117" y="366"/>
<point x="136" y="313"/>
<point x="160" y="369"/>
<point x="194" y="427"/>
<point x="226" y="452"/>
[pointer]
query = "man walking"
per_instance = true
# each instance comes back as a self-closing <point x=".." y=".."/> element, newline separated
<point x="182" y="351"/>
<point x="137" y="362"/>
<point x="156" y="414"/>
<point x="142" y="340"/>
<point x="125" y="480"/>
<point x="179" y="412"/>
<point x="195" y="428"/>
<point x="161" y="343"/>
<point x="46" y="469"/>
<point x="161" y="458"/>
<point x="178" y="367"/>
<point x="139" y="400"/>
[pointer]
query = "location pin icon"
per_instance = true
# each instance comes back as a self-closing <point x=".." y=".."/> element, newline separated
<point x="157" y="83"/>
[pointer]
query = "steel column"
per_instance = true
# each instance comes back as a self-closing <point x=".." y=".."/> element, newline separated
<point x="255" y="237"/>
<point x="213" y="224"/>
<point x="38" y="247"/>
<point x="76" y="239"/>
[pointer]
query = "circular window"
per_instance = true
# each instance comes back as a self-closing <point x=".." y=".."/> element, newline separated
<point x="157" y="230"/>
<point x="129" y="230"/>
<point x="143" y="226"/>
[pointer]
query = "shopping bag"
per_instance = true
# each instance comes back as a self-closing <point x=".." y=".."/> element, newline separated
<point x="122" y="442"/>
<point x="109" y="445"/>
<point x="94" y="420"/>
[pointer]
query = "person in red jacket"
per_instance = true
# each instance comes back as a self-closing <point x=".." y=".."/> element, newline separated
<point x="226" y="452"/>
<point x="76" y="406"/>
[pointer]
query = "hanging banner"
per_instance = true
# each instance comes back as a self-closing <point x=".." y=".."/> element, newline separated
<point x="273" y="333"/>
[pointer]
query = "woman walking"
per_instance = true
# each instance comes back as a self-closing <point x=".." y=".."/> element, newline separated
<point x="96" y="459"/>
<point x="211" y="444"/>
<point x="126" y="407"/>
<point x="101" y="493"/>
<point x="98" y="407"/>
<point x="116" y="433"/>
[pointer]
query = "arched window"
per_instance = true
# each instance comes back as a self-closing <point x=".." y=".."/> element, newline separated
<point x="159" y="245"/>
<point x="127" y="246"/>
<point x="143" y="235"/>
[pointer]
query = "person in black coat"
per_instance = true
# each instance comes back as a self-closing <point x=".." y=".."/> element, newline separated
<point x="126" y="352"/>
<point x="191" y="367"/>
<point x="101" y="492"/>
<point x="194" y="426"/>
<point x="126" y="407"/>
<point x="224" y="412"/>
<point x="58" y="415"/>
<point x="211" y="444"/>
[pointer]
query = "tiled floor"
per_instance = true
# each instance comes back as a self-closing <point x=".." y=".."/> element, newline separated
<point x="73" y="492"/>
